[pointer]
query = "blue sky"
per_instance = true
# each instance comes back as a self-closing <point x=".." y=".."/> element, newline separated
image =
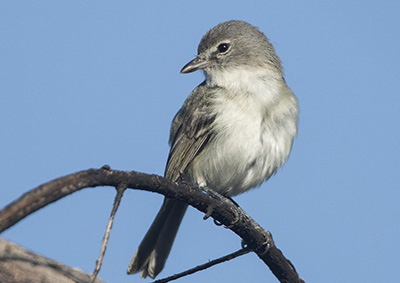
<point x="87" y="83"/>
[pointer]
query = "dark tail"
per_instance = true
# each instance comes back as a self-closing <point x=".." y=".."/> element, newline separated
<point x="154" y="249"/>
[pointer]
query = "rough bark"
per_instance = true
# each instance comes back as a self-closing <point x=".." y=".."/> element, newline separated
<point x="19" y="265"/>
<point x="218" y="207"/>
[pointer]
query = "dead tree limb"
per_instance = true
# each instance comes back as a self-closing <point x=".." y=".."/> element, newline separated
<point x="221" y="209"/>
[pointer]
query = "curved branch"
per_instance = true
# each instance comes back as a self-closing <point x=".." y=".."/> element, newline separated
<point x="220" y="208"/>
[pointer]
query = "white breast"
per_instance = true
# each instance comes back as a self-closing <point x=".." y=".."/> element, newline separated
<point x="254" y="129"/>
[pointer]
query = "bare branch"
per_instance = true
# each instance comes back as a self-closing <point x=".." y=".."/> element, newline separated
<point x="221" y="209"/>
<point x="230" y="256"/>
<point x="117" y="201"/>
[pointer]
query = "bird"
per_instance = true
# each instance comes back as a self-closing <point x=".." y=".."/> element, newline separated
<point x="232" y="133"/>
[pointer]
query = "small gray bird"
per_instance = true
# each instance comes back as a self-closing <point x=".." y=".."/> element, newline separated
<point x="232" y="133"/>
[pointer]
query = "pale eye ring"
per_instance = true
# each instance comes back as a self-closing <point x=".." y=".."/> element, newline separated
<point x="223" y="47"/>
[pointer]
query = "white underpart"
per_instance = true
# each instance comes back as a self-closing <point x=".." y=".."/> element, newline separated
<point x="255" y="126"/>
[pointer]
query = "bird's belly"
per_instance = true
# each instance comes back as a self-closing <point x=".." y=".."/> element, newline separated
<point x="238" y="157"/>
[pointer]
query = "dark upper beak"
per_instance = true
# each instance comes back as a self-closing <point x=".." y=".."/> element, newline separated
<point x="194" y="65"/>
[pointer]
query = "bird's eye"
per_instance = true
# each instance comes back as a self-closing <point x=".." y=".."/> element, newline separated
<point x="223" y="47"/>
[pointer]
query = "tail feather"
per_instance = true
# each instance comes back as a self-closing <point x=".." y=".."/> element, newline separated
<point x="156" y="245"/>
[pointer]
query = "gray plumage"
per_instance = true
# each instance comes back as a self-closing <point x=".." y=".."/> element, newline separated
<point x="232" y="133"/>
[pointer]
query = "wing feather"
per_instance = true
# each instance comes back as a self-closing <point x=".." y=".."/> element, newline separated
<point x="190" y="131"/>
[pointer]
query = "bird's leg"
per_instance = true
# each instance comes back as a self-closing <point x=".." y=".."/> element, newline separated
<point x="211" y="193"/>
<point x="269" y="242"/>
<point x="234" y="202"/>
<point x="238" y="216"/>
<point x="210" y="209"/>
<point x="214" y="195"/>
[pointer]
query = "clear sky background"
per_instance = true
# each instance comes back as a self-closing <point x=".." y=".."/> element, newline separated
<point x="87" y="83"/>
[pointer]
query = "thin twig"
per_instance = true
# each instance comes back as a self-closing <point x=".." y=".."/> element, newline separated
<point x="225" y="212"/>
<point x="233" y="255"/>
<point x="117" y="201"/>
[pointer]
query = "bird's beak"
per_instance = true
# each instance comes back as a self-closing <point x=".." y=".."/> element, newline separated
<point x="194" y="65"/>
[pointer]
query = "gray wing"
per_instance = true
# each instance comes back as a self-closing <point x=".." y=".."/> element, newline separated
<point x="190" y="131"/>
